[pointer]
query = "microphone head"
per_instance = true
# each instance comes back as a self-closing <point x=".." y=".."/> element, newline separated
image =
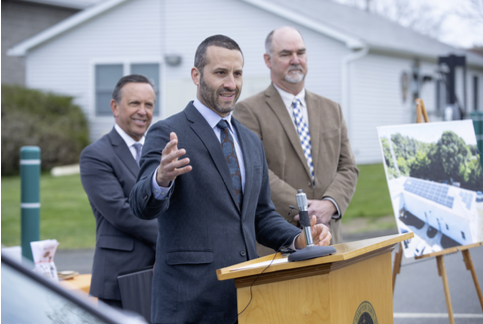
<point x="301" y="200"/>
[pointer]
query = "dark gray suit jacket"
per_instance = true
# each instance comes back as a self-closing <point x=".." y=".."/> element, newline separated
<point x="201" y="228"/>
<point x="123" y="241"/>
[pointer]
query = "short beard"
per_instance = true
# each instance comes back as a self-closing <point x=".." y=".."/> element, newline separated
<point x="210" y="97"/>
<point x="295" y="78"/>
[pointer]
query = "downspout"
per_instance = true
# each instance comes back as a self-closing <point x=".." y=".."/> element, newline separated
<point x="345" y="100"/>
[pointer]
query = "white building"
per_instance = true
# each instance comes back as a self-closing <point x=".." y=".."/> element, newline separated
<point x="355" y="58"/>
<point x="440" y="215"/>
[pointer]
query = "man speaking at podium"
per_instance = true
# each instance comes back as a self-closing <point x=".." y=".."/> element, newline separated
<point x="204" y="177"/>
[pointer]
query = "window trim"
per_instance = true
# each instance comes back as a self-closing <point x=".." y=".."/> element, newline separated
<point x="476" y="97"/>
<point x="126" y="63"/>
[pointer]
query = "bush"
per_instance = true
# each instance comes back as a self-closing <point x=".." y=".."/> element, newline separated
<point x="51" y="122"/>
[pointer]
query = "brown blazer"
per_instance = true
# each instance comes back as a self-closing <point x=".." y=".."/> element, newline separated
<point x="335" y="169"/>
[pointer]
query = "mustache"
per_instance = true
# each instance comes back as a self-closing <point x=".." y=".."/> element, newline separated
<point x="295" y="67"/>
<point x="226" y="90"/>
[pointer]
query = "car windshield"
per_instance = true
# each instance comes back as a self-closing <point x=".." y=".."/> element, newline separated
<point x="27" y="301"/>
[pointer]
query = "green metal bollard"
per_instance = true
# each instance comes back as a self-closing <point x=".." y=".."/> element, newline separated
<point x="29" y="198"/>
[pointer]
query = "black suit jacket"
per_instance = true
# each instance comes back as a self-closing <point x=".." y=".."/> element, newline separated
<point x="201" y="228"/>
<point x="123" y="241"/>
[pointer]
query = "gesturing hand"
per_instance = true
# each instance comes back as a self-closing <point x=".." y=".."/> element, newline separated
<point x="170" y="167"/>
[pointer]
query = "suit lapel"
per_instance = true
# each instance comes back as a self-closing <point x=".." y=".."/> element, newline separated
<point x="275" y="102"/>
<point x="203" y="130"/>
<point x="123" y="152"/>
<point x="248" y="159"/>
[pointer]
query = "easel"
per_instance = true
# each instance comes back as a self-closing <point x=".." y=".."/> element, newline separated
<point x="420" y="113"/>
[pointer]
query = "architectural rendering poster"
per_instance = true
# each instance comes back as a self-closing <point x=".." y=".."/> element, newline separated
<point x="435" y="181"/>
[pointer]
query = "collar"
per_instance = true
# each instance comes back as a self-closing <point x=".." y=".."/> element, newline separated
<point x="288" y="98"/>
<point x="211" y="117"/>
<point x="127" y="139"/>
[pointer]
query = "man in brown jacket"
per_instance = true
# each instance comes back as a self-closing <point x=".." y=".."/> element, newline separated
<point x="314" y="156"/>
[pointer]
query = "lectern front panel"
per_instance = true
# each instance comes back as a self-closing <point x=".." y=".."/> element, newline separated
<point x="336" y="295"/>
<point x="303" y="300"/>
<point x="355" y="285"/>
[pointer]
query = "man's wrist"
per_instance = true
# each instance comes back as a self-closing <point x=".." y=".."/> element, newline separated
<point x="336" y="214"/>
<point x="160" y="192"/>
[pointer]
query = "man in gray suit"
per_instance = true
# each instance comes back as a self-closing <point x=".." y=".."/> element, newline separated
<point x="322" y="163"/>
<point x="211" y="199"/>
<point x="109" y="168"/>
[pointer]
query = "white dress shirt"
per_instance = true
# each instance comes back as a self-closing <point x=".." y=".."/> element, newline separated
<point x="128" y="140"/>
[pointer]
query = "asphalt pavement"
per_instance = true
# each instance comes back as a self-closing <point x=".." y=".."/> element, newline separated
<point x="418" y="295"/>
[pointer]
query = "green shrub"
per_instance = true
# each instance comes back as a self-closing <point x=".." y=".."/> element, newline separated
<point x="51" y="122"/>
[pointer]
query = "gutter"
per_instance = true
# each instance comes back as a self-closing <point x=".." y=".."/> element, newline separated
<point x="345" y="84"/>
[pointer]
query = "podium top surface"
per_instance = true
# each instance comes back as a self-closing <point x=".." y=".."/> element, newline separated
<point x="345" y="251"/>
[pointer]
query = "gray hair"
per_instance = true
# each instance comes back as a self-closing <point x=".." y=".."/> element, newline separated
<point x="268" y="43"/>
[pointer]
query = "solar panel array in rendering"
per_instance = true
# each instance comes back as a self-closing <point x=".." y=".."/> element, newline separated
<point x="430" y="190"/>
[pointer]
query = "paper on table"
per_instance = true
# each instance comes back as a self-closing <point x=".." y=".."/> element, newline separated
<point x="43" y="254"/>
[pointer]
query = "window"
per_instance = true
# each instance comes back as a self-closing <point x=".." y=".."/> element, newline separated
<point x="150" y="71"/>
<point x="107" y="76"/>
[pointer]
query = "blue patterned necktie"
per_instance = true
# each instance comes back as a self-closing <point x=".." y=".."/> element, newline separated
<point x="304" y="136"/>
<point x="228" y="147"/>
<point x="138" y="147"/>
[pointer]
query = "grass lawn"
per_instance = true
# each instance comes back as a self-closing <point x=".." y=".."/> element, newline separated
<point x="66" y="215"/>
<point x="371" y="199"/>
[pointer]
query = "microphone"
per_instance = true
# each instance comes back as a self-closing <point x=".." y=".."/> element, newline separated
<point x="304" y="216"/>
<point x="311" y="251"/>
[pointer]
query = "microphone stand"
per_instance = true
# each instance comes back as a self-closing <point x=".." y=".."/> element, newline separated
<point x="311" y="251"/>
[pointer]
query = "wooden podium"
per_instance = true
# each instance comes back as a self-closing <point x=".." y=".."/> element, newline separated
<point x="346" y="287"/>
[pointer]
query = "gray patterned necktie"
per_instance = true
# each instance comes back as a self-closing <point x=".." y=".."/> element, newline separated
<point x="228" y="146"/>
<point x="138" y="147"/>
<point x="304" y="135"/>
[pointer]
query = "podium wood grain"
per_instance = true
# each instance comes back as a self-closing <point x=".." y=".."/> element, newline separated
<point x="322" y="290"/>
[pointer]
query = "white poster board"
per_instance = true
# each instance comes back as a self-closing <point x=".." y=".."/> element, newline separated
<point x="435" y="180"/>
